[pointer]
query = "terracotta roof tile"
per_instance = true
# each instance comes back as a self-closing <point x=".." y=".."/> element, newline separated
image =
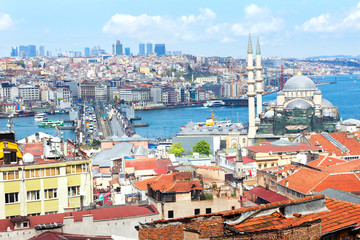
<point x="325" y="161"/>
<point x="350" y="143"/>
<point x="340" y="214"/>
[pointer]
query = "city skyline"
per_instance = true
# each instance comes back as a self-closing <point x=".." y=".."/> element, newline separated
<point x="288" y="29"/>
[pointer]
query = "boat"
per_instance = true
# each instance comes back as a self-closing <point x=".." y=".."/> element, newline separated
<point x="214" y="103"/>
<point x="51" y="123"/>
<point x="40" y="117"/>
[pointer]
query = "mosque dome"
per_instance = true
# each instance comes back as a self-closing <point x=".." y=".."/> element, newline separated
<point x="326" y="103"/>
<point x="298" y="103"/>
<point x="269" y="114"/>
<point x="299" y="83"/>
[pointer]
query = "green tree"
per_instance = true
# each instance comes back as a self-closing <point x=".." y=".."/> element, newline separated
<point x="202" y="147"/>
<point x="259" y="141"/>
<point x="176" y="149"/>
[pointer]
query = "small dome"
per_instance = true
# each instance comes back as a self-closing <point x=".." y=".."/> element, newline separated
<point x="269" y="114"/>
<point x="298" y="103"/>
<point x="326" y="103"/>
<point x="28" y="158"/>
<point x="298" y="83"/>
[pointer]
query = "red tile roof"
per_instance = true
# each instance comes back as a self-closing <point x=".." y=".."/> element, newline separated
<point x="148" y="163"/>
<point x="117" y="212"/>
<point x="141" y="164"/>
<point x="325" y="161"/>
<point x="347" y="166"/>
<point x="209" y="167"/>
<point x="63" y="236"/>
<point x="340" y="214"/>
<point x="268" y="147"/>
<point x="305" y="180"/>
<point x="267" y="195"/>
<point x="282" y="169"/>
<point x="349" y="142"/>
<point x="174" y="182"/>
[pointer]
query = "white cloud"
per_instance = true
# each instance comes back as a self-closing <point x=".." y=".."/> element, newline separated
<point x="193" y="27"/>
<point x="145" y="26"/>
<point x="349" y="21"/>
<point x="258" y="20"/>
<point x="5" y="21"/>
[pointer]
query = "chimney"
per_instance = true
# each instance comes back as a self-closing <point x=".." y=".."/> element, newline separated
<point x="286" y="183"/>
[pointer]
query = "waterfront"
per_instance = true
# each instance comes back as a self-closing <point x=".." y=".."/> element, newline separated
<point x="26" y="126"/>
<point x="166" y="122"/>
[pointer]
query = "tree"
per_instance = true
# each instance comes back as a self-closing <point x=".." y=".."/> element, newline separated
<point x="202" y="147"/>
<point x="176" y="149"/>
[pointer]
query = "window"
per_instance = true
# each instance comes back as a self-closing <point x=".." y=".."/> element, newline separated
<point x="50" y="193"/>
<point x="197" y="211"/>
<point x="11" y="175"/>
<point x="80" y="168"/>
<point x="12" y="197"/>
<point x="20" y="225"/>
<point x="33" y="214"/>
<point x="208" y="210"/>
<point x="33" y="195"/>
<point x="171" y="214"/>
<point x="53" y="212"/>
<point x="74" y="191"/>
<point x="233" y="208"/>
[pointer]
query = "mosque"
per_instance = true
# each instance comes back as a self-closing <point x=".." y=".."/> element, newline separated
<point x="299" y="107"/>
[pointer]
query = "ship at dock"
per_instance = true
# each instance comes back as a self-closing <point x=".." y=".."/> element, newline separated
<point x="235" y="101"/>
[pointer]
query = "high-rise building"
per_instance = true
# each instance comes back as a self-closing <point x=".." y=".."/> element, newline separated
<point x="127" y="51"/>
<point x="177" y="53"/>
<point x="141" y="48"/>
<point x="14" y="52"/>
<point x="117" y="48"/>
<point x="149" y="48"/>
<point x="87" y="52"/>
<point x="160" y="49"/>
<point x="31" y="51"/>
<point x="48" y="54"/>
<point x="23" y="51"/>
<point x="41" y="51"/>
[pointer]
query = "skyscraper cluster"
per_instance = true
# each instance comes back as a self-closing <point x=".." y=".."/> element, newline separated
<point x="27" y="51"/>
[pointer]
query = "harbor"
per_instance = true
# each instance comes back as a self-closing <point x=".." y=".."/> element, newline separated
<point x="165" y="123"/>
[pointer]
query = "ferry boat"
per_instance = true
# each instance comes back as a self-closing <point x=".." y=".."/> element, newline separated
<point x="214" y="103"/>
<point x="51" y="123"/>
<point x="40" y="117"/>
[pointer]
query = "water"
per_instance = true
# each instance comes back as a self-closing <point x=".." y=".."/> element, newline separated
<point x="166" y="123"/>
<point x="26" y="126"/>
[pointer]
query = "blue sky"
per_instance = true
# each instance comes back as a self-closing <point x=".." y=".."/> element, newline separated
<point x="294" y="28"/>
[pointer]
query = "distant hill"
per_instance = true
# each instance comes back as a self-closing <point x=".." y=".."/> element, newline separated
<point x="335" y="56"/>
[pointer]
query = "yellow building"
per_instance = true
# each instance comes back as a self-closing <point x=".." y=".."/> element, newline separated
<point x="31" y="184"/>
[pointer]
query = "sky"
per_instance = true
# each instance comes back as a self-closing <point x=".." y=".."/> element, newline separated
<point x="293" y="28"/>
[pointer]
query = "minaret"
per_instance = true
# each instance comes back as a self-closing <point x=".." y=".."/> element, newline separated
<point x="259" y="79"/>
<point x="251" y="90"/>
<point x="239" y="173"/>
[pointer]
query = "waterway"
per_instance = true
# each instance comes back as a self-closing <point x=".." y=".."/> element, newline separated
<point x="166" y="122"/>
<point x="26" y="126"/>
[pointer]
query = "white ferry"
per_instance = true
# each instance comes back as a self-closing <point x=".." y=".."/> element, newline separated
<point x="40" y="117"/>
<point x="214" y="103"/>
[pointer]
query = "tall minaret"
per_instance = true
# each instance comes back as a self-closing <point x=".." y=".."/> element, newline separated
<point x="251" y="90"/>
<point x="239" y="173"/>
<point x="259" y="79"/>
